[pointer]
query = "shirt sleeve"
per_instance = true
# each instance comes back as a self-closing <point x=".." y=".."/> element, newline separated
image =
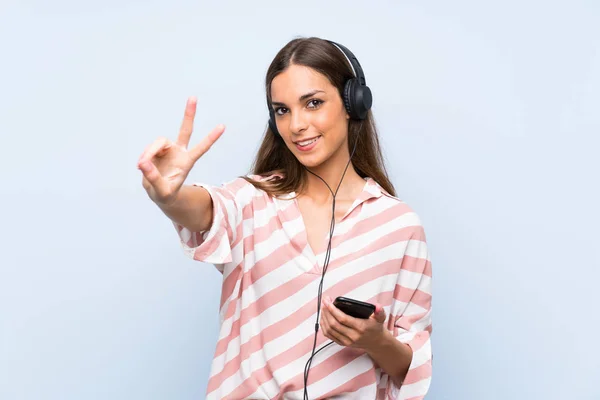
<point x="411" y="313"/>
<point x="216" y="245"/>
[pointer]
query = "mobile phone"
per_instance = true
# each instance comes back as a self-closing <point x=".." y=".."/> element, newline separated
<point x="354" y="308"/>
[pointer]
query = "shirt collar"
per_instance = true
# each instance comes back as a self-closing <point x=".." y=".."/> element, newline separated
<point x="371" y="190"/>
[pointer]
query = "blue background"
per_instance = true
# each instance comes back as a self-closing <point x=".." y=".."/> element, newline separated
<point x="488" y="114"/>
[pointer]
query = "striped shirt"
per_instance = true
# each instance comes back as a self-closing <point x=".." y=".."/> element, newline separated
<point x="271" y="276"/>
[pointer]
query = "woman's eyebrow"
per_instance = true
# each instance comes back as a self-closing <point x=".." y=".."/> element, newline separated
<point x="303" y="97"/>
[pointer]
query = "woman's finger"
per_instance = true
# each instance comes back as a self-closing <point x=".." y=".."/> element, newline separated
<point x="153" y="176"/>
<point x="187" y="125"/>
<point x="336" y="327"/>
<point x="341" y="317"/>
<point x="337" y="337"/>
<point x="155" y="147"/>
<point x="205" y="144"/>
<point x="327" y="332"/>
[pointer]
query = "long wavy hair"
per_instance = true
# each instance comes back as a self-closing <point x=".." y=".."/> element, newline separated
<point x="274" y="157"/>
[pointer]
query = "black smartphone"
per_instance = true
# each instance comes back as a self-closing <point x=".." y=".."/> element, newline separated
<point x="354" y="308"/>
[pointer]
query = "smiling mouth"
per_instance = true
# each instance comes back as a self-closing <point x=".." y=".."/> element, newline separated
<point x="307" y="142"/>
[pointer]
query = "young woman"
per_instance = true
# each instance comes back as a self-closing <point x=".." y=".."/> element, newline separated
<point x="316" y="219"/>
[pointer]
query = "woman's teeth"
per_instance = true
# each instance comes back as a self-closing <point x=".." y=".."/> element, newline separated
<point x="307" y="142"/>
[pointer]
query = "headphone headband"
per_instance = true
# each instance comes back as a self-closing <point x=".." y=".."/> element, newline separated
<point x="358" y="71"/>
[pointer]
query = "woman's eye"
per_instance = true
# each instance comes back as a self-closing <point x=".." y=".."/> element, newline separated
<point x="315" y="102"/>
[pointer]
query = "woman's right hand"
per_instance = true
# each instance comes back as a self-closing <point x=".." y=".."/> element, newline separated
<point x="166" y="164"/>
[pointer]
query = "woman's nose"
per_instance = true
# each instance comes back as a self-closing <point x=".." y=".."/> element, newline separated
<point x="298" y="122"/>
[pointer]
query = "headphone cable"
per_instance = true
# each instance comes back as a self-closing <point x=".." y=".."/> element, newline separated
<point x="325" y="265"/>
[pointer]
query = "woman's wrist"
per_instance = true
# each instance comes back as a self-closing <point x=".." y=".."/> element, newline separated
<point x="382" y="344"/>
<point x="393" y="356"/>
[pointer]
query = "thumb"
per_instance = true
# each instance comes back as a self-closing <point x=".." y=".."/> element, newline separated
<point x="379" y="313"/>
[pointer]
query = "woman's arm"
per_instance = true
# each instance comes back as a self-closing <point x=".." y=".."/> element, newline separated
<point x="192" y="208"/>
<point x="393" y="356"/>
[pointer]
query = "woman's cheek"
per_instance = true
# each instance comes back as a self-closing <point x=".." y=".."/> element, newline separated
<point x="324" y="122"/>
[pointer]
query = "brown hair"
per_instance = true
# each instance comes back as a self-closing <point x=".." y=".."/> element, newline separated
<point x="274" y="157"/>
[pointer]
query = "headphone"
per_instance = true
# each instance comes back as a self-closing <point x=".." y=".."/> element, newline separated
<point x="357" y="101"/>
<point x="357" y="96"/>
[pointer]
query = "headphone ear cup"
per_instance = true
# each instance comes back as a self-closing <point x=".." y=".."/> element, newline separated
<point x="362" y="101"/>
<point x="348" y="98"/>
<point x="357" y="99"/>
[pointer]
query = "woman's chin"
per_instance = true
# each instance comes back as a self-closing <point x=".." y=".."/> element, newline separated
<point x="311" y="161"/>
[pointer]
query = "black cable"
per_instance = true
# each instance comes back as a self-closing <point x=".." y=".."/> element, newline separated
<point x="325" y="265"/>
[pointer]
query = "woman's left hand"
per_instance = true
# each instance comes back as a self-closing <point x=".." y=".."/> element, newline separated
<point x="346" y="330"/>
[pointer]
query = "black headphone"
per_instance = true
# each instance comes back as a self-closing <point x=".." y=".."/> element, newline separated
<point x="357" y="95"/>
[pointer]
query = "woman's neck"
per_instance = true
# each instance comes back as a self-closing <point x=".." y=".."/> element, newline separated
<point x="351" y="184"/>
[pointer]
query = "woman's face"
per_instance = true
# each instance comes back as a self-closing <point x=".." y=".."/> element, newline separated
<point x="310" y="115"/>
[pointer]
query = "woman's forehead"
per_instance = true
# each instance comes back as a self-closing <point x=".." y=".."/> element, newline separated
<point x="296" y="81"/>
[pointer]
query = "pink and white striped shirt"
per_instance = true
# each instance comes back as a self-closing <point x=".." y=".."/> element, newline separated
<point x="270" y="286"/>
